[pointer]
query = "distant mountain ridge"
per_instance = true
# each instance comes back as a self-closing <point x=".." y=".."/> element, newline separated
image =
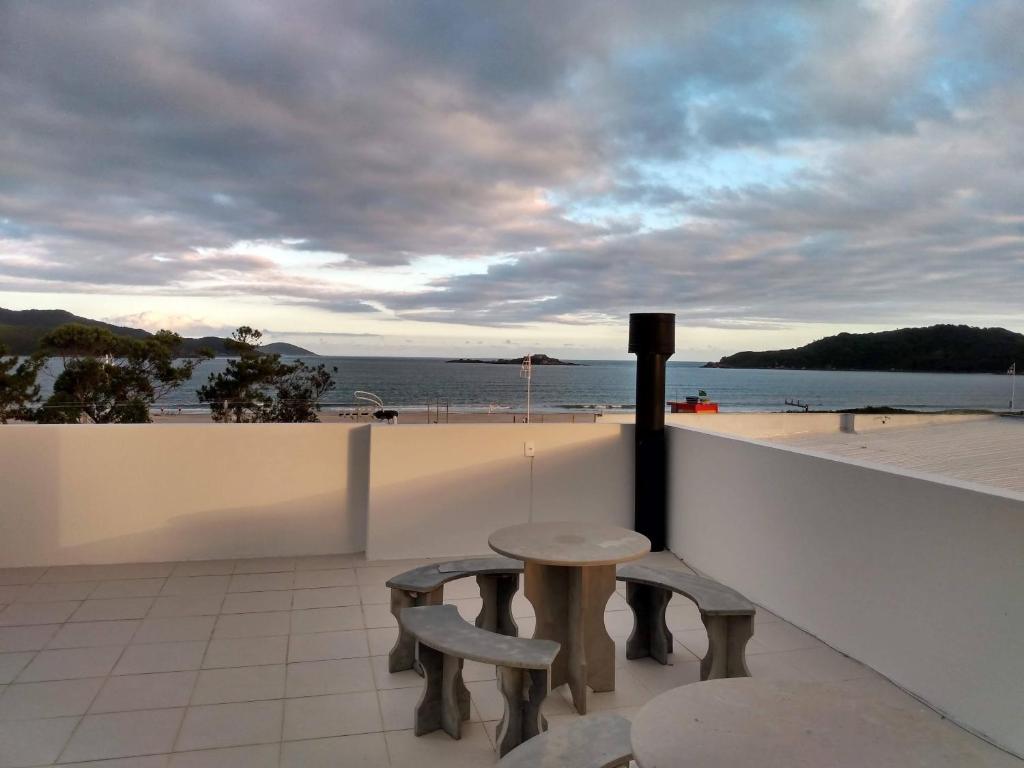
<point x="21" y="330"/>
<point x="935" y="349"/>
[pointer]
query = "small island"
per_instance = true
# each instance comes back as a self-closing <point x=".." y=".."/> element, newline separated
<point x="935" y="349"/>
<point x="535" y="359"/>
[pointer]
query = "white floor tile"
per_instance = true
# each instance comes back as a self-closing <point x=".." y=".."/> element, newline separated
<point x="438" y="749"/>
<point x="257" y="602"/>
<point x="34" y="742"/>
<point x="261" y="582"/>
<point x="86" y="634"/>
<point x="205" y="568"/>
<point x="382" y="640"/>
<point x="336" y="715"/>
<point x="327" y="619"/>
<point x="33" y="638"/>
<point x="10" y="576"/>
<point x="141" y="761"/>
<point x="265" y="565"/>
<point x="255" y="756"/>
<point x="23" y="614"/>
<point x="13" y="593"/>
<point x="319" y="646"/>
<point x="359" y="751"/>
<point x="316" y="678"/>
<point x="50" y="593"/>
<point x="111" y="610"/>
<point x="61" y="698"/>
<point x="189" y="605"/>
<point x="70" y="664"/>
<point x="231" y="725"/>
<point x="326" y="597"/>
<point x="127" y="588"/>
<point x="385" y="680"/>
<point x="376" y="616"/>
<point x="12" y="663"/>
<point x="246" y="652"/>
<point x="330" y="562"/>
<point x="174" y="629"/>
<point x="340" y="577"/>
<point x="253" y="624"/>
<point x="196" y="586"/>
<point x="220" y="686"/>
<point x="127" y="693"/>
<point x="160" y="657"/>
<point x="123" y="734"/>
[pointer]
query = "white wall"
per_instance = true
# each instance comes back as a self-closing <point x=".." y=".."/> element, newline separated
<point x="440" y="491"/>
<point x="921" y="579"/>
<point x="125" y="493"/>
<point x="73" y="494"/>
<point x="763" y="425"/>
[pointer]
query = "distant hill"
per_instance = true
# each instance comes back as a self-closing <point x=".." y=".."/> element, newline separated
<point x="938" y="348"/>
<point x="536" y="359"/>
<point x="21" y="330"/>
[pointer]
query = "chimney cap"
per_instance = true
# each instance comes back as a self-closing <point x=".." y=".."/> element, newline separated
<point x="652" y="333"/>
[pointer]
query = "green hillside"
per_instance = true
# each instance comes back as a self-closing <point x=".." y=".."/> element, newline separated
<point x="21" y="330"/>
<point x="938" y="348"/>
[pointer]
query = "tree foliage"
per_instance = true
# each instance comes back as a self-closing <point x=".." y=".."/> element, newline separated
<point x="938" y="348"/>
<point x="258" y="386"/>
<point x="108" y="379"/>
<point x="18" y="388"/>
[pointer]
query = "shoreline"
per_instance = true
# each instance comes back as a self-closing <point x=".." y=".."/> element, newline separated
<point x="417" y="416"/>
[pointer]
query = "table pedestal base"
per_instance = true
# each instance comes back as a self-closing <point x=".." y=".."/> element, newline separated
<point x="569" y="603"/>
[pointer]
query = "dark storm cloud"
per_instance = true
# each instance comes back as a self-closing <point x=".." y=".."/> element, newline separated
<point x="741" y="163"/>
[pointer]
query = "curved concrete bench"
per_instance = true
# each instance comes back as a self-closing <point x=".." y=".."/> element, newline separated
<point x="498" y="578"/>
<point x="595" y="741"/>
<point x="444" y="640"/>
<point x="727" y="616"/>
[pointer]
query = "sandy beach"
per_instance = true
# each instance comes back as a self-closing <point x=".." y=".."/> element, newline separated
<point x="412" y="416"/>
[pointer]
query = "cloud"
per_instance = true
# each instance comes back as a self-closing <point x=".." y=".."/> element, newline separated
<point x="745" y="165"/>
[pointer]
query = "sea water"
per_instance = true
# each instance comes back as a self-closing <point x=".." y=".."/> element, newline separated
<point x="610" y="385"/>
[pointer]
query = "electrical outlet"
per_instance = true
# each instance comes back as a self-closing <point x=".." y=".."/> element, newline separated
<point x="529" y="450"/>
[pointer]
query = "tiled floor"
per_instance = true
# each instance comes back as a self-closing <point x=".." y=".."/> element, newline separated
<point x="282" y="662"/>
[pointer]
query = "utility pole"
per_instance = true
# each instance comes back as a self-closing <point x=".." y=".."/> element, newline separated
<point x="526" y="372"/>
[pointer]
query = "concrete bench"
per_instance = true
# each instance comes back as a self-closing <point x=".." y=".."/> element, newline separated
<point x="727" y="616"/>
<point x="498" y="578"/>
<point x="444" y="640"/>
<point x="595" y="741"/>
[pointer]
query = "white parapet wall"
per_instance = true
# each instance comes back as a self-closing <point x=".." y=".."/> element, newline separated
<point x="73" y="494"/>
<point x="764" y="425"/>
<point x="77" y="494"/>
<point x="917" y="576"/>
<point x="438" y="492"/>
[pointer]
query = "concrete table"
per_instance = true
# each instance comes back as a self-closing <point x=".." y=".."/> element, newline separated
<point x="738" y="722"/>
<point x="570" y="574"/>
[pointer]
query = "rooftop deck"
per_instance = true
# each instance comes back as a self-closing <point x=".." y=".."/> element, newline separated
<point x="988" y="452"/>
<point x="282" y="661"/>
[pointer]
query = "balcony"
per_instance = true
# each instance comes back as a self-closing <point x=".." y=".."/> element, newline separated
<point x="192" y="595"/>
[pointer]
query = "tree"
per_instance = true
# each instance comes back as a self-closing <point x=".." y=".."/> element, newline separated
<point x="108" y="379"/>
<point x="259" y="387"/>
<point x="18" y="388"/>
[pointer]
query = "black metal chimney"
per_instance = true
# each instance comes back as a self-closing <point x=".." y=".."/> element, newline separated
<point x="652" y="338"/>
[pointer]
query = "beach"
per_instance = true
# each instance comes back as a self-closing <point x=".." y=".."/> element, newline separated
<point x="409" y="416"/>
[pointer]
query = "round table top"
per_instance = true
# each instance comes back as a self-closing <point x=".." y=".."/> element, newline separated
<point x="570" y="543"/>
<point x="773" y="724"/>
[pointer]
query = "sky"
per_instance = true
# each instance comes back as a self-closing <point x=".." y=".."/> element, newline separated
<point x="436" y="177"/>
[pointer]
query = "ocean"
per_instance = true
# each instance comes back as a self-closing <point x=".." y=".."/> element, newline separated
<point x="607" y="385"/>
